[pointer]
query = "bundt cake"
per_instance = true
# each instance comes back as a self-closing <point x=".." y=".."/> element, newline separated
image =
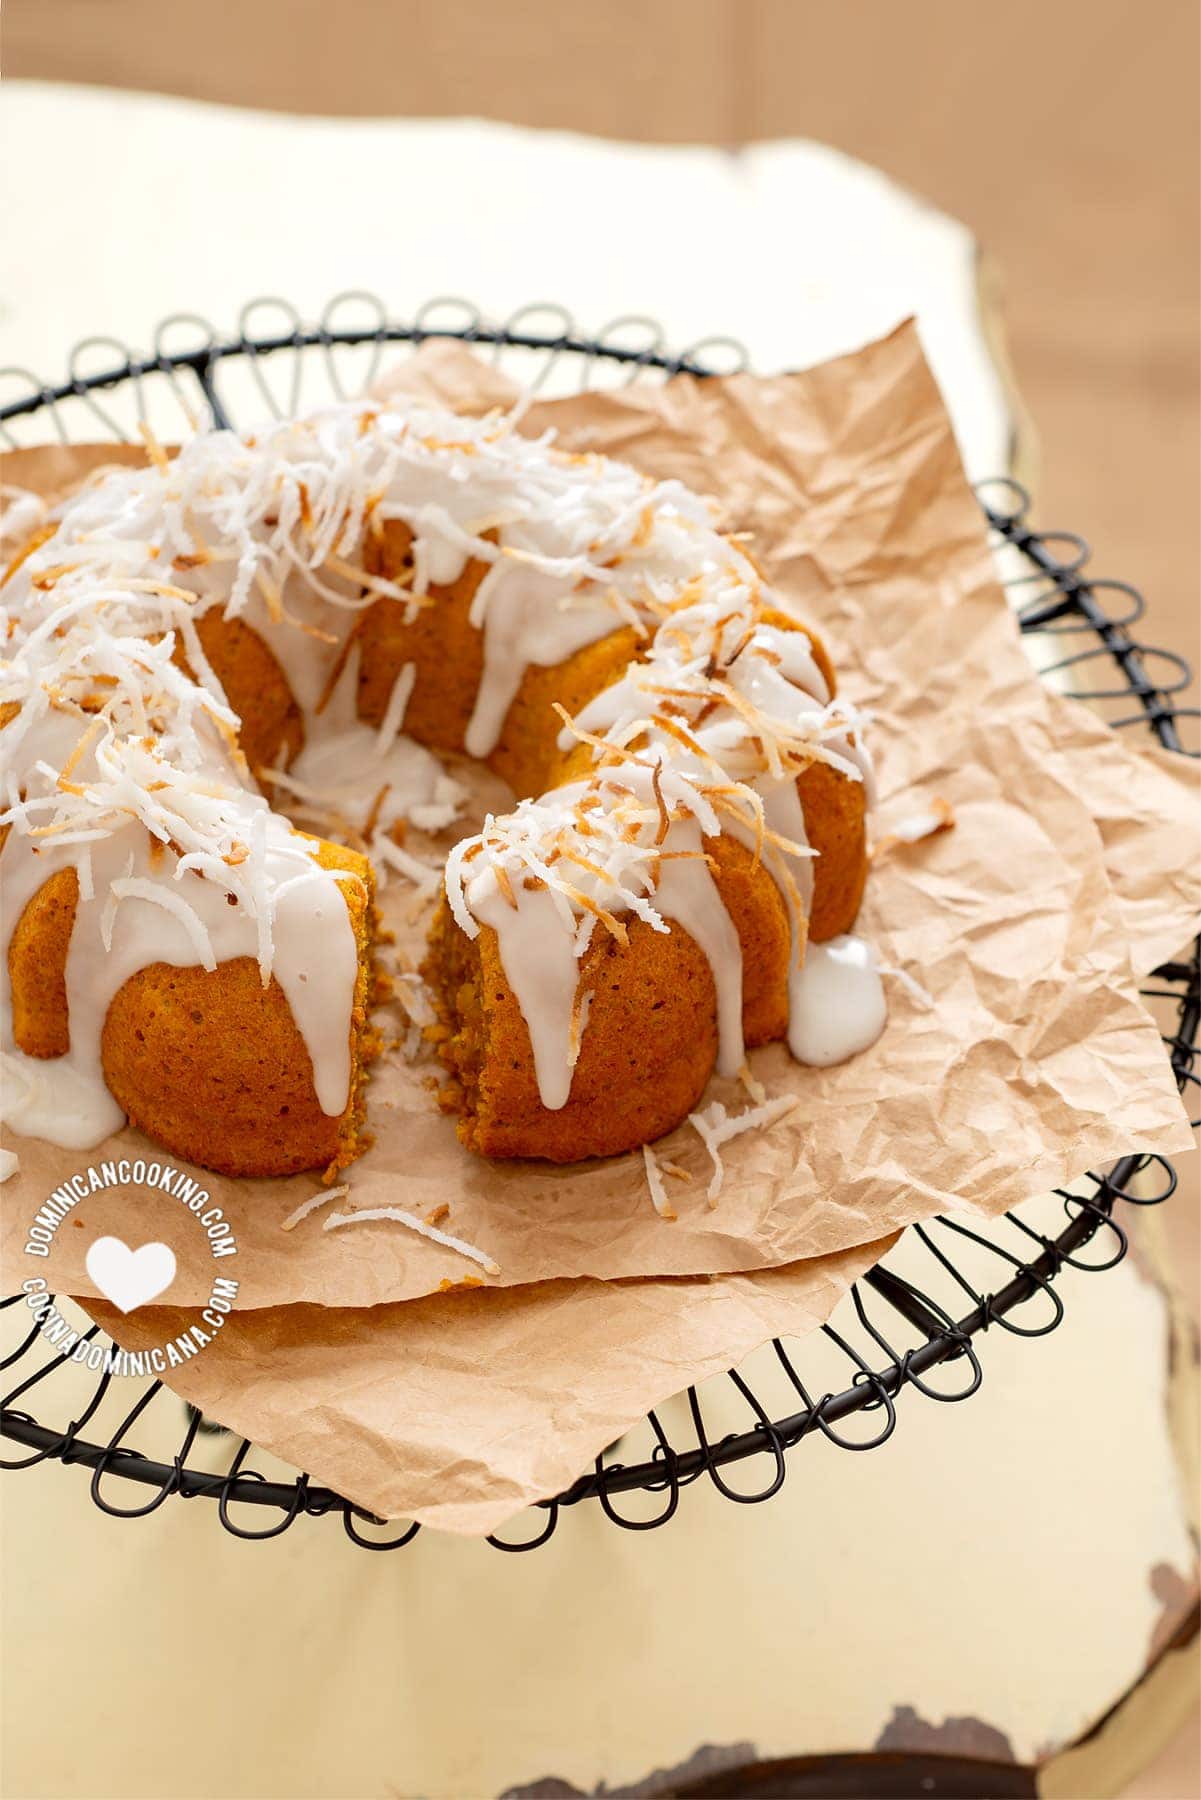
<point x="267" y="612"/>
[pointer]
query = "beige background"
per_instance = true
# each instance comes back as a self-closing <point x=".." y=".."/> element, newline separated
<point x="1065" y="135"/>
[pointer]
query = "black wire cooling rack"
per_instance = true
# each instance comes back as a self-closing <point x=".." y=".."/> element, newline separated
<point x="921" y="1311"/>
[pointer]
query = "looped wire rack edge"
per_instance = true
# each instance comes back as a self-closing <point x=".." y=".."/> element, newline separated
<point x="914" y="1320"/>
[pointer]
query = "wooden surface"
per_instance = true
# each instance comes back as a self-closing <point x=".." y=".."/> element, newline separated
<point x="1065" y="135"/>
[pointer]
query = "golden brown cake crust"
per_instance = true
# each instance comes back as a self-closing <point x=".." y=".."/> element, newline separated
<point x="272" y="730"/>
<point x="37" y="964"/>
<point x="760" y="917"/>
<point x="644" y="1059"/>
<point x="213" y="1067"/>
<point x="835" y="812"/>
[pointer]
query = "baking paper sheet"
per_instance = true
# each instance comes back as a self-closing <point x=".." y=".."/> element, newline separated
<point x="461" y="1409"/>
<point x="1036" y="1060"/>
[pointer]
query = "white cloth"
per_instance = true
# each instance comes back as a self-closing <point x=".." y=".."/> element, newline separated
<point x="136" y="206"/>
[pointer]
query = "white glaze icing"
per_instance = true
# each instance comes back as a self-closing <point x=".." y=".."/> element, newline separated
<point x="539" y="961"/>
<point x="836" y="1005"/>
<point x="526" y="619"/>
<point x="353" y="772"/>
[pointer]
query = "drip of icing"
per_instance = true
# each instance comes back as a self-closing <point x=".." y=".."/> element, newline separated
<point x="796" y="659"/>
<point x="525" y="620"/>
<point x="52" y="1099"/>
<point x="538" y="952"/>
<point x="539" y="961"/>
<point x="436" y="563"/>
<point x="771" y="681"/>
<point x="345" y="767"/>
<point x="688" y="894"/>
<point x="785" y="815"/>
<point x="836" y="1002"/>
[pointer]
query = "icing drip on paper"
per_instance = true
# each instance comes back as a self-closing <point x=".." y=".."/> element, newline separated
<point x="355" y="773"/>
<point x="836" y="1005"/>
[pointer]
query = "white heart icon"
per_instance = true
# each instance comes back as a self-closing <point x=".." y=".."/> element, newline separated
<point x="130" y="1278"/>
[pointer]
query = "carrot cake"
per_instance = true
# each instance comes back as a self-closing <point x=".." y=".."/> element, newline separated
<point x="673" y="886"/>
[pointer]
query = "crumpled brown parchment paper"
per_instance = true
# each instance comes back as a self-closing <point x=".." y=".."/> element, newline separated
<point x="461" y="1409"/>
<point x="1069" y="874"/>
<point x="1066" y="876"/>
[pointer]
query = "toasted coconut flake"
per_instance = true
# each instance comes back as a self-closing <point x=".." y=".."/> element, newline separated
<point x="581" y="1007"/>
<point x="716" y="1128"/>
<point x="607" y="752"/>
<point x="654" y="1182"/>
<point x="614" y="926"/>
<point x="936" y="817"/>
<point x="83" y="745"/>
<point x="752" y="1084"/>
<point x="660" y="803"/>
<point x="154" y="449"/>
<point x="923" y="998"/>
<point x="312" y="1203"/>
<point x="372" y="819"/>
<point x="33" y="543"/>
<point x="422" y="876"/>
<point x="371" y="1214"/>
<point x="669" y="725"/>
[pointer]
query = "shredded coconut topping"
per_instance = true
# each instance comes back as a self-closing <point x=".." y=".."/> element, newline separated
<point x="312" y="1203"/>
<point x="366" y="1214"/>
<point x="936" y="817"/>
<point x="716" y="1128"/>
<point x="654" y="1181"/>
